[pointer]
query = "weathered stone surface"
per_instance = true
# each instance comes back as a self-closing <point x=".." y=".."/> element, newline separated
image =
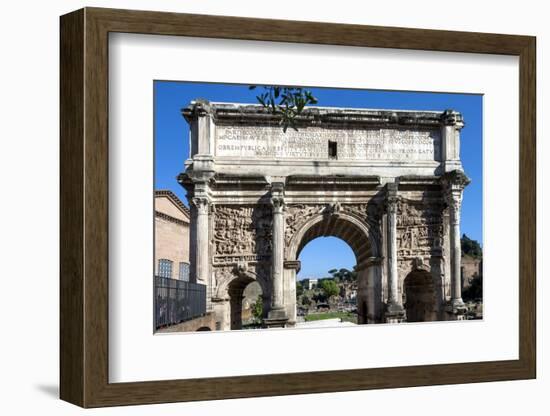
<point x="391" y="189"/>
<point x="312" y="143"/>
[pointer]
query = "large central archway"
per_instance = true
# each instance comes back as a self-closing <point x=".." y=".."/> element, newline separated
<point x="333" y="221"/>
<point x="335" y="224"/>
<point x="326" y="286"/>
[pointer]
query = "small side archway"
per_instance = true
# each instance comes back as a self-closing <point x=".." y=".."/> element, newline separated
<point x="232" y="293"/>
<point x="236" y="295"/>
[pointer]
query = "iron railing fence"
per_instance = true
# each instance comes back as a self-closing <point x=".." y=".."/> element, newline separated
<point x="178" y="301"/>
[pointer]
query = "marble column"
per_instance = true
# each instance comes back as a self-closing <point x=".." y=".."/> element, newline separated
<point x="277" y="315"/>
<point x="394" y="310"/>
<point x="278" y="247"/>
<point x="456" y="252"/>
<point x="202" y="257"/>
<point x="455" y="183"/>
<point x="291" y="268"/>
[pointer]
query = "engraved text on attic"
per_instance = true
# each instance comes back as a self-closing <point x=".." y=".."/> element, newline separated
<point x="312" y="143"/>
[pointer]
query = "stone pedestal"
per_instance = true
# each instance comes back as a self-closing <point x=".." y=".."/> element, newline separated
<point x="394" y="315"/>
<point x="291" y="268"/>
<point x="276" y="318"/>
<point x="456" y="312"/>
<point x="222" y="312"/>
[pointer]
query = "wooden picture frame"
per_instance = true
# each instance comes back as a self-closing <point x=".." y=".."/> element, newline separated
<point x="84" y="207"/>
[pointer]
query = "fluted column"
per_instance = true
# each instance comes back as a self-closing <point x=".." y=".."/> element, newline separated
<point x="394" y="312"/>
<point x="277" y="316"/>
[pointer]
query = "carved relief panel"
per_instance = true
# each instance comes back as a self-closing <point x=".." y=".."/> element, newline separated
<point x="419" y="229"/>
<point x="241" y="234"/>
<point x="298" y="215"/>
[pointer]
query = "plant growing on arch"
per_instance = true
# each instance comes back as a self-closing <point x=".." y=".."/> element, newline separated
<point x="258" y="309"/>
<point x="287" y="102"/>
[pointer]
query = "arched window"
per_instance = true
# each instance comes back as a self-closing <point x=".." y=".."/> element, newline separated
<point x="165" y="268"/>
<point x="184" y="271"/>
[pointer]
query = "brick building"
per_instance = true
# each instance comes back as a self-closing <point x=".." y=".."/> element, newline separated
<point x="471" y="267"/>
<point x="171" y="236"/>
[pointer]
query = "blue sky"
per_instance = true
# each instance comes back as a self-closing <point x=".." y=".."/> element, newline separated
<point x="322" y="254"/>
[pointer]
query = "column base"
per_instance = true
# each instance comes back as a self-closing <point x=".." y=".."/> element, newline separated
<point x="457" y="309"/>
<point x="394" y="314"/>
<point x="276" y="318"/>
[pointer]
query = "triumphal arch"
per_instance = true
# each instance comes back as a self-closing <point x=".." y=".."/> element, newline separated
<point x="389" y="183"/>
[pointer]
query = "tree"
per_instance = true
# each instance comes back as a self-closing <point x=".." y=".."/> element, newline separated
<point x="306" y="301"/>
<point x="319" y="297"/>
<point x="344" y="274"/>
<point x="470" y="247"/>
<point x="258" y="308"/>
<point x="299" y="288"/>
<point x="287" y="102"/>
<point x="475" y="290"/>
<point x="330" y="288"/>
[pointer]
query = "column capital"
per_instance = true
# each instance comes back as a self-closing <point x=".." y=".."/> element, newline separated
<point x="453" y="187"/>
<point x="202" y="203"/>
<point x="278" y="204"/>
<point x="455" y="180"/>
<point x="277" y="197"/>
<point x="392" y="197"/>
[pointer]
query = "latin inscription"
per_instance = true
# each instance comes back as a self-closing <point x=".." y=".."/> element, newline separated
<point x="312" y="143"/>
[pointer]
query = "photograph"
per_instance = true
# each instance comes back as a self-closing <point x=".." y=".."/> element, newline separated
<point x="280" y="206"/>
<point x="241" y="194"/>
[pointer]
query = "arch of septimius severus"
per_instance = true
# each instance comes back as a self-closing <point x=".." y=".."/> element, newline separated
<point x="389" y="183"/>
